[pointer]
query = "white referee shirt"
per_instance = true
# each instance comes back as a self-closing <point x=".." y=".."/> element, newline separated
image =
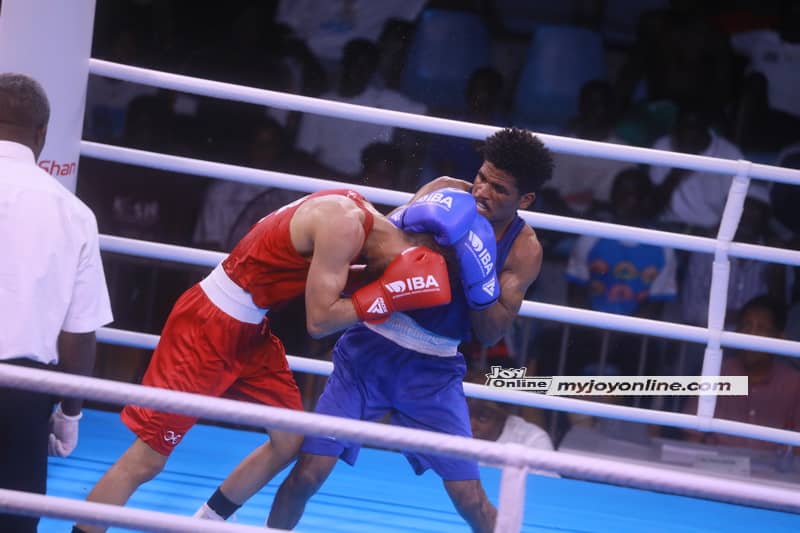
<point x="51" y="277"/>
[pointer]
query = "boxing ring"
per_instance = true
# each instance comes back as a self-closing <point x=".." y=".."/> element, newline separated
<point x="523" y="499"/>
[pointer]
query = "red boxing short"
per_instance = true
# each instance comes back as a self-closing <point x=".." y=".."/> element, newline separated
<point x="205" y="351"/>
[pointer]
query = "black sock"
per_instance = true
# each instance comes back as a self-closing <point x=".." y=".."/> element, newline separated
<point x="221" y="505"/>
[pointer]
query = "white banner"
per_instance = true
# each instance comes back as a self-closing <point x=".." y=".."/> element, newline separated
<point x="50" y="41"/>
<point x="516" y="378"/>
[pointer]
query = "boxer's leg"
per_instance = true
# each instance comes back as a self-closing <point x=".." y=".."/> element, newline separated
<point x="305" y="479"/>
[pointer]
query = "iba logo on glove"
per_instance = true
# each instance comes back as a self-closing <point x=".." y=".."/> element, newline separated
<point x="481" y="253"/>
<point x="437" y="198"/>
<point x="378" y="306"/>
<point x="488" y="287"/>
<point x="412" y="284"/>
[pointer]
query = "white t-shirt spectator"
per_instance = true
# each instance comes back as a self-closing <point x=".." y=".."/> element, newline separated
<point x="226" y="202"/>
<point x="327" y="26"/>
<point x="520" y="431"/>
<point x="51" y="276"/>
<point x="337" y="143"/>
<point x="581" y="180"/>
<point x="700" y="197"/>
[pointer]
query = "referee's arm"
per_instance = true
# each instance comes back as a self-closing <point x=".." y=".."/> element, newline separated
<point x="76" y="355"/>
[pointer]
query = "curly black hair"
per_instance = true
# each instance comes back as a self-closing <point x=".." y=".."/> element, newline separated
<point x="522" y="155"/>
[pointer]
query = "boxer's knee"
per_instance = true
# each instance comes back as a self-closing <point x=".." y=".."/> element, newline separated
<point x="309" y="474"/>
<point x="285" y="445"/>
<point x="141" y="463"/>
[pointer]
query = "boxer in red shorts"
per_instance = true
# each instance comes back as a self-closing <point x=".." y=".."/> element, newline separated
<point x="217" y="340"/>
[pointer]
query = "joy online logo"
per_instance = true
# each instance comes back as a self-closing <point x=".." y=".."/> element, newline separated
<point x="172" y="437"/>
<point x="414" y="283"/>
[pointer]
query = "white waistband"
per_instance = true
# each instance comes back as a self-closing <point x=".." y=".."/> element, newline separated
<point x="402" y="330"/>
<point x="230" y="298"/>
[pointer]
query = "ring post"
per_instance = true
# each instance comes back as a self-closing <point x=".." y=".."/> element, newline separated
<point x="51" y="42"/>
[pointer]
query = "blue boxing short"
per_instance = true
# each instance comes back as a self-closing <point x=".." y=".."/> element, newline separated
<point x="372" y="376"/>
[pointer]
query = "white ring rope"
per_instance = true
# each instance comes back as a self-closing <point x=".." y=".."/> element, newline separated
<point x="228" y="91"/>
<point x="634" y="414"/>
<point x="559" y="403"/>
<point x="26" y="503"/>
<point x="513" y="456"/>
<point x="516" y="458"/>
<point x="716" y="337"/>
<point x="295" y="182"/>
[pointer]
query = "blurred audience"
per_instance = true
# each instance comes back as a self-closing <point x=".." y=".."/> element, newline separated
<point x="768" y="115"/>
<point x="690" y="201"/>
<point x="611" y="428"/>
<point x="337" y="143"/>
<point x="494" y="421"/>
<point x="679" y="56"/>
<point x="231" y="207"/>
<point x="329" y="26"/>
<point x="579" y="183"/>
<point x="621" y="277"/>
<point x="381" y="166"/>
<point x="774" y="396"/>
<point x="448" y="155"/>
<point x="747" y="278"/>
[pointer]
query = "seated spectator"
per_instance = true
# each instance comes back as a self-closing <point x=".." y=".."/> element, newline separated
<point x="623" y="277"/>
<point x="139" y="202"/>
<point x="769" y="111"/>
<point x="578" y="181"/>
<point x="456" y="156"/>
<point x="689" y="201"/>
<point x="337" y="143"/>
<point x="611" y="428"/>
<point x="329" y="26"/>
<point x="679" y="55"/>
<point x="785" y="198"/>
<point x="747" y="278"/>
<point x="774" y="396"/>
<point x="493" y="421"/>
<point x="231" y="207"/>
<point x="394" y="43"/>
<point x="147" y="204"/>
<point x="381" y="164"/>
<point x="107" y="99"/>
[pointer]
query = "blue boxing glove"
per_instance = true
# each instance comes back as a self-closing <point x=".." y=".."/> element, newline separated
<point x="446" y="213"/>
<point x="477" y="255"/>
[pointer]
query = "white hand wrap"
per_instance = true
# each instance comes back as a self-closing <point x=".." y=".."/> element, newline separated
<point x="63" y="433"/>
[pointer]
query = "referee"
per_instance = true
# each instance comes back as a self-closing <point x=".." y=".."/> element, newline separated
<point x="53" y="294"/>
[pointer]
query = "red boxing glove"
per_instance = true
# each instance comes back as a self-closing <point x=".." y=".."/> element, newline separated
<point x="416" y="279"/>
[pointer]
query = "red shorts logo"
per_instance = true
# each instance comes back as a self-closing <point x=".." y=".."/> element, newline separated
<point x="172" y="437"/>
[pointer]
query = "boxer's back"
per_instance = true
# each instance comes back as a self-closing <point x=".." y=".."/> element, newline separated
<point x="267" y="264"/>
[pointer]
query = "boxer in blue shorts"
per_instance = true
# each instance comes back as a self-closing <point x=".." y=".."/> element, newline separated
<point x="409" y="365"/>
